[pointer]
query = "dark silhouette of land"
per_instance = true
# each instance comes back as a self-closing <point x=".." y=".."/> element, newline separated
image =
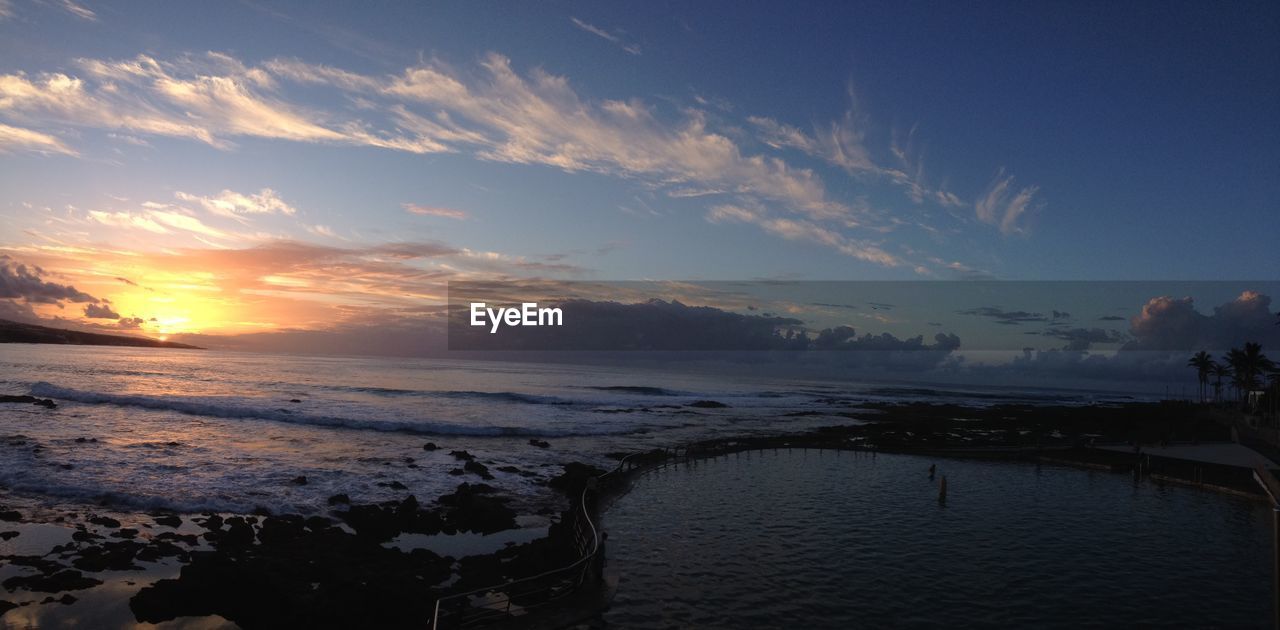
<point x="18" y="332"/>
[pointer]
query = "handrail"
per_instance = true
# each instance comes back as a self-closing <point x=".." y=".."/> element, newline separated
<point x="508" y="587"/>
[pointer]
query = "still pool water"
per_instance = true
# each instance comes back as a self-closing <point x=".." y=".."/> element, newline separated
<point x="828" y="539"/>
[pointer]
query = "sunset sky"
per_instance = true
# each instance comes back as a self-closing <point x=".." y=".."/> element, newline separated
<point x="229" y="168"/>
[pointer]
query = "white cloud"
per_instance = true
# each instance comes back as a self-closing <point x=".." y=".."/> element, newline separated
<point x="19" y="138"/>
<point x="434" y="211"/>
<point x="495" y="113"/>
<point x="229" y="203"/>
<point x="630" y="48"/>
<point x="208" y="99"/>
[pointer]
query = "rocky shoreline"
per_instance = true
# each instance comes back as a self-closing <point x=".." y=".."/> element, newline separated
<point x="341" y="569"/>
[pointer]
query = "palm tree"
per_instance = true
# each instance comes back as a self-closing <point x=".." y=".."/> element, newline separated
<point x="1219" y="371"/>
<point x="1248" y="365"/>
<point x="1203" y="363"/>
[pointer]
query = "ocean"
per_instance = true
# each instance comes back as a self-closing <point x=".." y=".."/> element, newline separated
<point x="192" y="431"/>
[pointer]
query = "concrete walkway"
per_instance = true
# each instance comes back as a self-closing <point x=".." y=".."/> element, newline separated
<point x="1228" y="453"/>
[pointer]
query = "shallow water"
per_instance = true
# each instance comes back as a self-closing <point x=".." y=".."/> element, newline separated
<point x="824" y="539"/>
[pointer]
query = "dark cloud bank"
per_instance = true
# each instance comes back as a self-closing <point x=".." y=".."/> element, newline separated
<point x="658" y="333"/>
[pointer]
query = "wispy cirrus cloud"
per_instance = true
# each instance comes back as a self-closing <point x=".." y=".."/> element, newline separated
<point x="1003" y="206"/>
<point x="17" y="138"/>
<point x="78" y="10"/>
<point x="434" y="211"/>
<point x="630" y="48"/>
<point x="843" y="143"/>
<point x="491" y="113"/>
<point x="802" y="230"/>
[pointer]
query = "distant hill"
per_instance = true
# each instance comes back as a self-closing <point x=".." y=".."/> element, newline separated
<point x="17" y="332"/>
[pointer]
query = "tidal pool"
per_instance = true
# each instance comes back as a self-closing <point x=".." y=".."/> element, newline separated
<point x="828" y="539"/>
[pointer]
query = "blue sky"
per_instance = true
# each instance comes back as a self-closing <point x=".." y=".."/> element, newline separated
<point x="623" y="141"/>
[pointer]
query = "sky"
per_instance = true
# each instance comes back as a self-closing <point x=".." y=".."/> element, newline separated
<point x="229" y="168"/>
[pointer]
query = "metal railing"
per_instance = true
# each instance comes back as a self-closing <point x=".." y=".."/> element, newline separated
<point x="515" y="597"/>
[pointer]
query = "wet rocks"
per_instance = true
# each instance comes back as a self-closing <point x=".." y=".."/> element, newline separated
<point x="478" y="469"/>
<point x="301" y="577"/>
<point x="574" y="478"/>
<point x="114" y="556"/>
<point x="394" y="485"/>
<point x="64" y="580"/>
<point x="42" y="402"/>
<point x="300" y="480"/>
<point x="462" y="456"/>
<point x="340" y="499"/>
<point x="707" y="404"/>
<point x="105" y="521"/>
<point x="474" y="508"/>
<point x="539" y="443"/>
<point x="10" y="515"/>
<point x="429" y="446"/>
<point x="168" y="520"/>
<point x="8" y="535"/>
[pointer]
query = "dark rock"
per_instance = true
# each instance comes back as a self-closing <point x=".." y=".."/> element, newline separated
<point x="280" y="529"/>
<point x="239" y="532"/>
<point x="8" y="535"/>
<point x="125" y="532"/>
<point x="65" y="580"/>
<point x="318" y="523"/>
<point x="539" y="443"/>
<point x="212" y="522"/>
<point x="81" y="535"/>
<point x="479" y="469"/>
<point x="114" y="556"/>
<point x="43" y="402"/>
<point x="10" y="515"/>
<point x="104" y="521"/>
<point x="475" y="510"/>
<point x="429" y="446"/>
<point x="300" y="480"/>
<point x="394" y="485"/>
<point x="327" y="578"/>
<point x="574" y="478"/>
<point x="294" y="400"/>
<point x="338" y="499"/>
<point x="508" y="469"/>
<point x="707" y="404"/>
<point x="168" y="520"/>
<point x="261" y="510"/>
<point x="462" y="456"/>
<point x="6" y="606"/>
